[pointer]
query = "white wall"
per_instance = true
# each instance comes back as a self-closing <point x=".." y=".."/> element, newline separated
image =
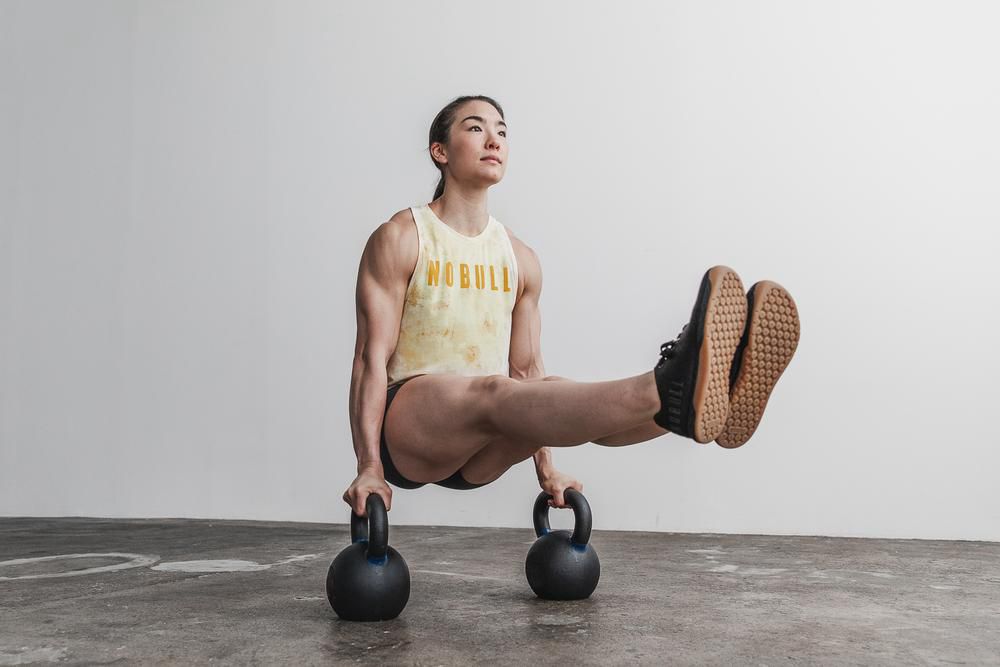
<point x="186" y="189"/>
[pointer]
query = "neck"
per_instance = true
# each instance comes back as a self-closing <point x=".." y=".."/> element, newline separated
<point x="465" y="212"/>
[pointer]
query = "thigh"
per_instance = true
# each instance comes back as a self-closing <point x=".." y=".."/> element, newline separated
<point x="500" y="453"/>
<point x="437" y="422"/>
<point x="495" y="458"/>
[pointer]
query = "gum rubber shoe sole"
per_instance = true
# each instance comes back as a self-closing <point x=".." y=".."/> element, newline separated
<point x="772" y="337"/>
<point x="725" y="317"/>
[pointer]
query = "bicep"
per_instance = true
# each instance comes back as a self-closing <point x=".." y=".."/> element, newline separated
<point x="526" y="321"/>
<point x="381" y="290"/>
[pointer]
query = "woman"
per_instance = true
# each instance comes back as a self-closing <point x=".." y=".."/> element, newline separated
<point x="449" y="337"/>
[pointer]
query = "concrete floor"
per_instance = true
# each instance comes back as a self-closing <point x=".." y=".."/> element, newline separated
<point x="662" y="598"/>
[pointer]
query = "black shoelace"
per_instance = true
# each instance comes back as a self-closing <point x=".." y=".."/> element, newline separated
<point x="667" y="349"/>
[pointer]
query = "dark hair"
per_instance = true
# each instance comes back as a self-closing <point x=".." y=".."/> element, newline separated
<point x="441" y="129"/>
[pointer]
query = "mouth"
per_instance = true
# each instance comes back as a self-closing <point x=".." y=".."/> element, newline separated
<point x="491" y="159"/>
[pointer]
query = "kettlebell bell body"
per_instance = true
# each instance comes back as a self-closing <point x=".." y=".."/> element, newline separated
<point x="562" y="565"/>
<point x="368" y="580"/>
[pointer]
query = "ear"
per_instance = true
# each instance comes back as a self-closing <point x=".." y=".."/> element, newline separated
<point x="438" y="153"/>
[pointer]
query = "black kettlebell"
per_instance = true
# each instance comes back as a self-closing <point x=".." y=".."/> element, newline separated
<point x="369" y="580"/>
<point x="562" y="565"/>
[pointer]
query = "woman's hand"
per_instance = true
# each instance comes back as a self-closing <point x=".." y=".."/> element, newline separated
<point x="554" y="483"/>
<point x="369" y="480"/>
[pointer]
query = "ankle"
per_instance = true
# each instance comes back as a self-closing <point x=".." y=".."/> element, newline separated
<point x="648" y="396"/>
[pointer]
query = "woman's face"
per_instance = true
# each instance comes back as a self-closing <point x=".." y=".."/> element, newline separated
<point x="477" y="133"/>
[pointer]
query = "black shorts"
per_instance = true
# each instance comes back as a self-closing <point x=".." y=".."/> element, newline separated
<point x="456" y="481"/>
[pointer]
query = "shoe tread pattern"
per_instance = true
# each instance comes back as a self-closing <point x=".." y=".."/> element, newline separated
<point x="725" y="318"/>
<point x="773" y="336"/>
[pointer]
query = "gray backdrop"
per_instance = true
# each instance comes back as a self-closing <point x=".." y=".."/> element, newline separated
<point x="186" y="188"/>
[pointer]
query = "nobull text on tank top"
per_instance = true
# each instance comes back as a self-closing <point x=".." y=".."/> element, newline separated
<point x="457" y="313"/>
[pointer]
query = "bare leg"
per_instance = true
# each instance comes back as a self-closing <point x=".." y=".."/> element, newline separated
<point x="438" y="422"/>
<point x="493" y="460"/>
<point x="568" y="413"/>
<point x="630" y="436"/>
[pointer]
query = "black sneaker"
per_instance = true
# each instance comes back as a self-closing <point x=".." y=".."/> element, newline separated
<point x="692" y="376"/>
<point x="768" y="342"/>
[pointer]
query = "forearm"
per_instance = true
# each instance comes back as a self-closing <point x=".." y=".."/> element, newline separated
<point x="367" y="409"/>
<point x="543" y="462"/>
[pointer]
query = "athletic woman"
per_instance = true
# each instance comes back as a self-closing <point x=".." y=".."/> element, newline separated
<point x="448" y="337"/>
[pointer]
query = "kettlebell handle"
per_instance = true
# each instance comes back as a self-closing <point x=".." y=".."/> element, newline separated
<point x="581" y="514"/>
<point x="377" y="522"/>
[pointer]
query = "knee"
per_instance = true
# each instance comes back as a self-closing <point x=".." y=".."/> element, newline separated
<point x="492" y="387"/>
<point x="492" y="391"/>
<point x="495" y="388"/>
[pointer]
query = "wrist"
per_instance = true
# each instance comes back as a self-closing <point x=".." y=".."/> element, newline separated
<point x="370" y="466"/>
<point x="544" y="469"/>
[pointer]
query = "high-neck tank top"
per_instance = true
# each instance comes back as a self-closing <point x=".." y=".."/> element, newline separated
<point x="457" y="313"/>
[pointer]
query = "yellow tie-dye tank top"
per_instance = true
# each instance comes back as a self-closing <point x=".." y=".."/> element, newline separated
<point x="457" y="313"/>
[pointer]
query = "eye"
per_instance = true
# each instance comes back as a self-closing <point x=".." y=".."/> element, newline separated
<point x="476" y="127"/>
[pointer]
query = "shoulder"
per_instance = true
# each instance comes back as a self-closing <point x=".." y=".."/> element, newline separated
<point x="394" y="242"/>
<point x="402" y="222"/>
<point x="399" y="231"/>
<point x="529" y="266"/>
